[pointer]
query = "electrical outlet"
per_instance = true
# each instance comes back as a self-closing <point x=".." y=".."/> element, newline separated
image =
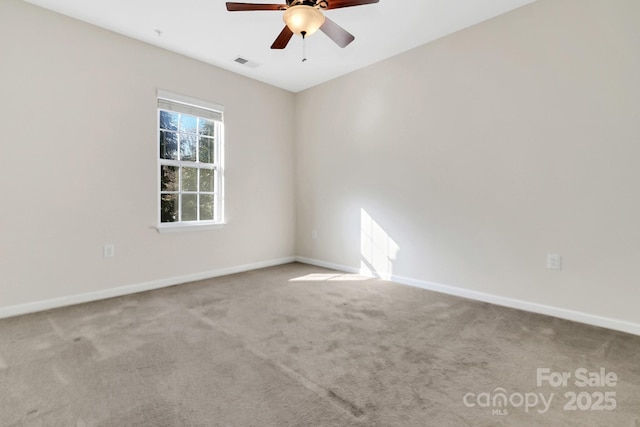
<point x="554" y="262"/>
<point x="314" y="234"/>
<point x="108" y="251"/>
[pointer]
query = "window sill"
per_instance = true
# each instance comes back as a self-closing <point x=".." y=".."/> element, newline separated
<point x="166" y="228"/>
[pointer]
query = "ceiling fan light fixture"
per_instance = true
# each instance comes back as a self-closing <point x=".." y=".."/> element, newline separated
<point x="303" y="19"/>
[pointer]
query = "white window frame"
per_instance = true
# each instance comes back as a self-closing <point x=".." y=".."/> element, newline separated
<point x="168" y="101"/>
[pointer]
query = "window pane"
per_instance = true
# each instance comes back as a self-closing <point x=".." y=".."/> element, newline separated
<point x="189" y="207"/>
<point x="206" y="207"/>
<point x="169" y="208"/>
<point x="188" y="148"/>
<point x="168" y="145"/>
<point x="169" y="178"/>
<point x="206" y="127"/>
<point x="206" y="150"/>
<point x="188" y="123"/>
<point x="189" y="179"/>
<point x="207" y="180"/>
<point x="168" y="120"/>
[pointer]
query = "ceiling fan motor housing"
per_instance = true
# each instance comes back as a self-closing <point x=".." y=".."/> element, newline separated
<point x="323" y="4"/>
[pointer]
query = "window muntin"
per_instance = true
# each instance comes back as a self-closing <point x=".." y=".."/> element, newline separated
<point x="190" y="138"/>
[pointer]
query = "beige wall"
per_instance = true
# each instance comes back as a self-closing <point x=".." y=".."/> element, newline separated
<point x="78" y="147"/>
<point x="465" y="161"/>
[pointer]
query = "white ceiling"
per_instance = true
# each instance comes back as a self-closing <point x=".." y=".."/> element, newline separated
<point x="204" y="30"/>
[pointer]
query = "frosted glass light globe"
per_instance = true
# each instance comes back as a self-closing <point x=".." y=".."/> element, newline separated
<point x="303" y="18"/>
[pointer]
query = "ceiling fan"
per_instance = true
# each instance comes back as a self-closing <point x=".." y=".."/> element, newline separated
<point x="305" y="17"/>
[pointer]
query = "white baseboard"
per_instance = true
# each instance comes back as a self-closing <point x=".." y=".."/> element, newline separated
<point x="562" y="313"/>
<point x="49" y="304"/>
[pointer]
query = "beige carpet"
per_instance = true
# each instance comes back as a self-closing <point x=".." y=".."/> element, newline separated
<point x="302" y="346"/>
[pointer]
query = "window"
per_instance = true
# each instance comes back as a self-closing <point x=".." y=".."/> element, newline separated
<point x="190" y="157"/>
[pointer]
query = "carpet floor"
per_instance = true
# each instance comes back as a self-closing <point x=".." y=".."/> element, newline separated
<point x="298" y="345"/>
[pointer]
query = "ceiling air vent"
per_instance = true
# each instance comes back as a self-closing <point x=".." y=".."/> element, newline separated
<point x="246" y="62"/>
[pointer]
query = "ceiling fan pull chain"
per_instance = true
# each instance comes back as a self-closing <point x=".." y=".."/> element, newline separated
<point x="304" y="46"/>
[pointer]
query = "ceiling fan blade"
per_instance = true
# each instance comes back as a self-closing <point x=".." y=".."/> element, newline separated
<point x="241" y="7"/>
<point x="336" y="4"/>
<point x="336" y="33"/>
<point x="283" y="39"/>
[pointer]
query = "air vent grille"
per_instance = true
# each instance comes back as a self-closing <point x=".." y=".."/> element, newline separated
<point x="246" y="62"/>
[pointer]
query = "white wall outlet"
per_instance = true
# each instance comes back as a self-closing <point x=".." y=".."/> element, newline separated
<point x="314" y="234"/>
<point x="554" y="262"/>
<point x="108" y="251"/>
